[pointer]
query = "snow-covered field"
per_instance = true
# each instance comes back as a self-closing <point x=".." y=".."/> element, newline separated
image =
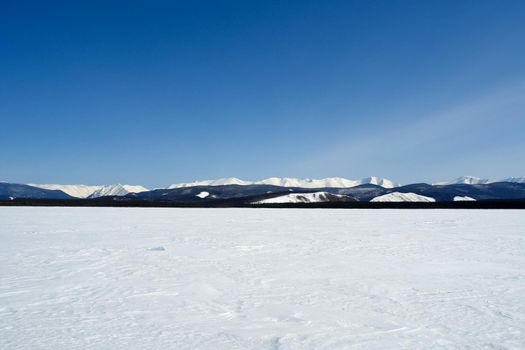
<point x="134" y="278"/>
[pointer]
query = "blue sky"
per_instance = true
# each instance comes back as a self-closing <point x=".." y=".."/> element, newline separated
<point x="153" y="93"/>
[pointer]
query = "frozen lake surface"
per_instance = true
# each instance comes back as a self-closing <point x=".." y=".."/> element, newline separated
<point x="135" y="278"/>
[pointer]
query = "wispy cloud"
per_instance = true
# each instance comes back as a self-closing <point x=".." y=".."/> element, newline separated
<point x="434" y="141"/>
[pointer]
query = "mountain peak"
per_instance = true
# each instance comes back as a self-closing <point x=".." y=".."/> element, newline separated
<point x="116" y="190"/>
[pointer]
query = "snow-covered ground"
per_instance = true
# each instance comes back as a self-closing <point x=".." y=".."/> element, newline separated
<point x="135" y="278"/>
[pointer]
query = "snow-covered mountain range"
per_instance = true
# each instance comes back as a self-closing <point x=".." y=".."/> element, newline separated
<point x="87" y="191"/>
<point x="472" y="180"/>
<point x="336" y="182"/>
<point x="283" y="190"/>
<point x="216" y="182"/>
<point x="94" y="191"/>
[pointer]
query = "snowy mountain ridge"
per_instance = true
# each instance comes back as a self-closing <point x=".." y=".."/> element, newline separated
<point x="520" y="180"/>
<point x="93" y="191"/>
<point x="467" y="180"/>
<point x="337" y="182"/>
<point x="472" y="180"/>
<point x="117" y="190"/>
<point x="216" y="182"/>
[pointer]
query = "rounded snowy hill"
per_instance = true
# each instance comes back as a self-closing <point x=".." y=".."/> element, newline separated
<point x="312" y="197"/>
<point x="402" y="197"/>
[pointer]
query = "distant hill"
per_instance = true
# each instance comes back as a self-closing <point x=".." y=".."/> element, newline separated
<point x="414" y="192"/>
<point x="11" y="191"/>
<point x="280" y="190"/>
<point x="93" y="191"/>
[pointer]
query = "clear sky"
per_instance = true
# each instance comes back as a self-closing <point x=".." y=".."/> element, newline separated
<point x="152" y="93"/>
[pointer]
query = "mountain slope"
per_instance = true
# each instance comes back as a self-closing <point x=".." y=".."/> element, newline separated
<point x="117" y="190"/>
<point x="14" y="191"/>
<point x="491" y="191"/>
<point x="78" y="191"/>
<point x="206" y="193"/>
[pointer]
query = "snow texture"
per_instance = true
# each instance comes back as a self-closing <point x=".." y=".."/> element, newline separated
<point x="402" y="197"/>
<point x="135" y="278"/>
